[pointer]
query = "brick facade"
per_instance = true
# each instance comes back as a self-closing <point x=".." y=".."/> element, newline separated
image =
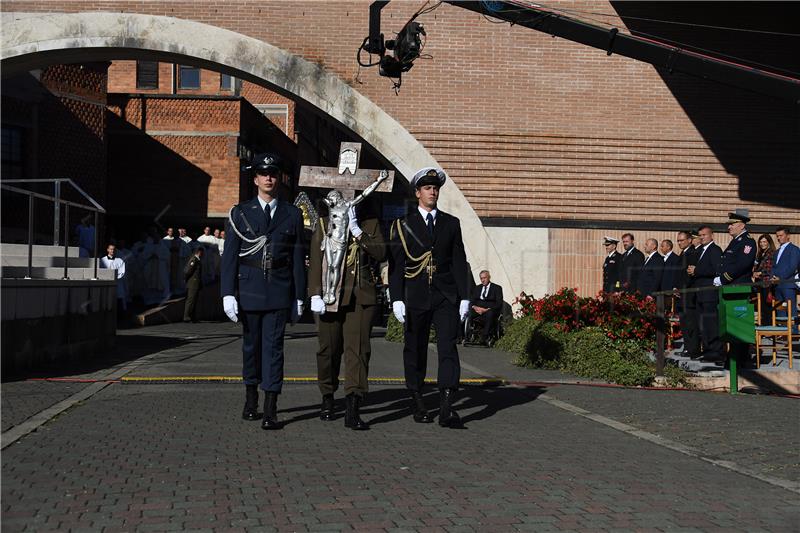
<point x="546" y="132"/>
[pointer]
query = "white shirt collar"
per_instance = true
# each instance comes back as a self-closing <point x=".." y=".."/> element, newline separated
<point x="667" y="255"/>
<point x="272" y="204"/>
<point x="784" y="245"/>
<point x="424" y="214"/>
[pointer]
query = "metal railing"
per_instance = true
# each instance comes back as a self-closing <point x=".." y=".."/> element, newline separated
<point x="57" y="200"/>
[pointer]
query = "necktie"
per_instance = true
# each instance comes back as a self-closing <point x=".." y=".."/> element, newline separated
<point x="267" y="215"/>
<point x="484" y="292"/>
<point x="429" y="218"/>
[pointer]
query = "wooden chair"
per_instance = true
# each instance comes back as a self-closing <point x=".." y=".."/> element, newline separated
<point x="780" y="328"/>
<point x="673" y="324"/>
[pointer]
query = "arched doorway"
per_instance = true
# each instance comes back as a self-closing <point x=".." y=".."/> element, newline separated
<point x="30" y="41"/>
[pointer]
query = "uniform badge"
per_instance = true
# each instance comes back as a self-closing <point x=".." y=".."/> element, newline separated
<point x="747" y="249"/>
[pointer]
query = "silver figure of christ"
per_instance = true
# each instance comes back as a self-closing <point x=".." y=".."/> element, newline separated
<point x="334" y="243"/>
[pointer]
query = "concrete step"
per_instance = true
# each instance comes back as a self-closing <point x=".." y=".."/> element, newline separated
<point x="39" y="250"/>
<point x="19" y="272"/>
<point x="37" y="261"/>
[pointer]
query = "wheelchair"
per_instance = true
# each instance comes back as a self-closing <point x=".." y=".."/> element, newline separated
<point x="472" y="327"/>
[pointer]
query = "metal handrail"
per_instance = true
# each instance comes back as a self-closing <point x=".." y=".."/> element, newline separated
<point x="96" y="208"/>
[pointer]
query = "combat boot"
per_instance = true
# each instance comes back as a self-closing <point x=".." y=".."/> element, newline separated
<point x="326" y="409"/>
<point x="418" y="408"/>
<point x="271" y="411"/>
<point x="250" y="411"/>
<point x="447" y="415"/>
<point x="352" y="419"/>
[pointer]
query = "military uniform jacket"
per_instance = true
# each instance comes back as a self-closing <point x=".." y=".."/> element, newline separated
<point x="362" y="258"/>
<point x="736" y="264"/>
<point x="193" y="272"/>
<point x="706" y="270"/>
<point x="260" y="289"/>
<point x="611" y="271"/>
<point x="451" y="277"/>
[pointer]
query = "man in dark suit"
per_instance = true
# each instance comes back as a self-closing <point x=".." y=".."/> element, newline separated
<point x="429" y="283"/>
<point x="785" y="267"/>
<point x="736" y="267"/>
<point x="687" y="301"/>
<point x="630" y="264"/>
<point x="346" y="330"/>
<point x="649" y="279"/>
<point x="263" y="263"/>
<point x="702" y="274"/>
<point x="487" y="303"/>
<point x="672" y="266"/>
<point x="611" y="265"/>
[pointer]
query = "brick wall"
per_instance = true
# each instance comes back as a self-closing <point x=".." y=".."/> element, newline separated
<point x="560" y="127"/>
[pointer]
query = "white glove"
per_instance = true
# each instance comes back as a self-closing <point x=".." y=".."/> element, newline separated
<point x="353" y="226"/>
<point x="297" y="311"/>
<point x="717" y="281"/>
<point x="399" y="310"/>
<point x="317" y="305"/>
<point x="463" y="309"/>
<point x="231" y="307"/>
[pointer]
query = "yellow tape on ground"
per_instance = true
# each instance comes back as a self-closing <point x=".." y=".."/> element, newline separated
<point x="291" y="379"/>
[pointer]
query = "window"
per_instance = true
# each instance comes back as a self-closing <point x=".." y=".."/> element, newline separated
<point x="147" y="74"/>
<point x="188" y="77"/>
<point x="226" y="82"/>
<point x="12" y="152"/>
<point x="278" y="114"/>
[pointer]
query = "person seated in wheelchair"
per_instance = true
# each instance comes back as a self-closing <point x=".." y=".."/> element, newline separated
<point x="486" y="305"/>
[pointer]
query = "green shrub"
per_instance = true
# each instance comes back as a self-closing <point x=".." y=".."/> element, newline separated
<point x="394" y="330"/>
<point x="591" y="353"/>
<point x="535" y="343"/>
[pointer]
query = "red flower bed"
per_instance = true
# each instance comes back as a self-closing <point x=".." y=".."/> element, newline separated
<point x="620" y="315"/>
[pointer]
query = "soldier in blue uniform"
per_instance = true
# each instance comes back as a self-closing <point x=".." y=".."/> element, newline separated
<point x="263" y="263"/>
<point x="736" y="266"/>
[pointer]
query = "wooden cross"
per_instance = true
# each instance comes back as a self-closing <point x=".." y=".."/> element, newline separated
<point x="347" y="177"/>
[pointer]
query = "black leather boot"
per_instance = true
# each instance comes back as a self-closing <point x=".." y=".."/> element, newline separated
<point x="326" y="409"/>
<point x="447" y="416"/>
<point x="250" y="411"/>
<point x="418" y="408"/>
<point x="271" y="412"/>
<point x="352" y="419"/>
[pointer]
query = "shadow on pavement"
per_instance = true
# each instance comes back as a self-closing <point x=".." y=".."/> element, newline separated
<point x="392" y="404"/>
<point x="128" y="348"/>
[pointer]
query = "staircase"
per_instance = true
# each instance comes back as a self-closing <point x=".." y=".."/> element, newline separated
<point x="48" y="263"/>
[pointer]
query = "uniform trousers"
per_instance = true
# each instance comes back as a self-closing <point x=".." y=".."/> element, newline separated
<point x="262" y="348"/>
<point x="443" y="314"/>
<point x="192" y="290"/>
<point x="345" y="332"/>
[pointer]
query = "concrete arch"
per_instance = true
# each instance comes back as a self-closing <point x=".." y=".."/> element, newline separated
<point x="31" y="40"/>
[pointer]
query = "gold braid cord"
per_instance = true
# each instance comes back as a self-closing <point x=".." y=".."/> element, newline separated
<point x="418" y="264"/>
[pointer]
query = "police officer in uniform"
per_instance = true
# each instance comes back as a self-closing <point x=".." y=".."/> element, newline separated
<point x="736" y="267"/>
<point x="263" y="281"/>
<point x="611" y="265"/>
<point x="347" y="330"/>
<point x="429" y="282"/>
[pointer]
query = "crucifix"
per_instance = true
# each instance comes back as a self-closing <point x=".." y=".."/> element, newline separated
<point x="344" y="180"/>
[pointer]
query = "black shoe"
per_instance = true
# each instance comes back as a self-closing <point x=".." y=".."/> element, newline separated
<point x="271" y="412"/>
<point x="326" y="408"/>
<point x="352" y="419"/>
<point x="448" y="418"/>
<point x="418" y="407"/>
<point x="250" y="411"/>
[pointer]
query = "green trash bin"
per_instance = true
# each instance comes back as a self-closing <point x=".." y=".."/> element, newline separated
<point x="736" y="314"/>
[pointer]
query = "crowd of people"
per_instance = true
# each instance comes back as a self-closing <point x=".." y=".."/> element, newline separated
<point x="690" y="274"/>
<point x="159" y="267"/>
